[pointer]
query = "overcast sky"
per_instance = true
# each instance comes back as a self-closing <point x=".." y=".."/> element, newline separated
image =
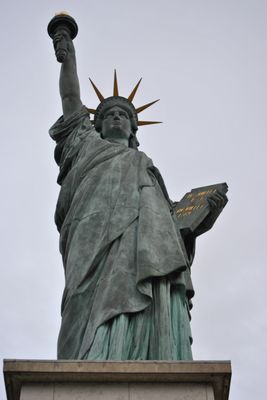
<point x="207" y="61"/>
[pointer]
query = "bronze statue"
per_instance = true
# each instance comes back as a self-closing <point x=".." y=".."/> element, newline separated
<point x="127" y="263"/>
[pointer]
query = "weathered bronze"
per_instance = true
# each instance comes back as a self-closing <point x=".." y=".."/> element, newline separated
<point x="130" y="99"/>
<point x="65" y="21"/>
<point x="126" y="254"/>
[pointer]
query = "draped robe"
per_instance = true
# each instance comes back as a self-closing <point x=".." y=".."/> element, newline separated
<point x="127" y="270"/>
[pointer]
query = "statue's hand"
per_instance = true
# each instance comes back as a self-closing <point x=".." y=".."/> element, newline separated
<point x="63" y="45"/>
<point x="217" y="202"/>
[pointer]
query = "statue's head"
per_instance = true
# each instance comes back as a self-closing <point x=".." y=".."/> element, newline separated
<point x="116" y="115"/>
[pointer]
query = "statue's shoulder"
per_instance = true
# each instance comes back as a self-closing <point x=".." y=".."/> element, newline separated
<point x="78" y="121"/>
<point x="144" y="158"/>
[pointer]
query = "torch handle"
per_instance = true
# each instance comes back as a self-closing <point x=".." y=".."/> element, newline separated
<point x="61" y="48"/>
<point x="56" y="24"/>
<point x="61" y="55"/>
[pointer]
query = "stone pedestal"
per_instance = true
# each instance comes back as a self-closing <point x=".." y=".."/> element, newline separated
<point x="117" y="380"/>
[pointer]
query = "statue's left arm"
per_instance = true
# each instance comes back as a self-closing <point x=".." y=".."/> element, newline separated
<point x="188" y="239"/>
<point x="217" y="202"/>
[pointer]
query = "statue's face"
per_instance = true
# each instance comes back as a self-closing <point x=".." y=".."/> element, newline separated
<point x="116" y="125"/>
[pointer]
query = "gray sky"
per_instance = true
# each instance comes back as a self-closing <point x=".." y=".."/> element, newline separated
<point x="207" y="61"/>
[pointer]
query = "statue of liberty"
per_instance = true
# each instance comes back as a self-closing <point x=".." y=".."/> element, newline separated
<point x="127" y="264"/>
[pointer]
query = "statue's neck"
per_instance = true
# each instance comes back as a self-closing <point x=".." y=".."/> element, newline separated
<point x="123" y="141"/>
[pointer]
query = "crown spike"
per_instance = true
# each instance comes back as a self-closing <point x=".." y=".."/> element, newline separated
<point x="99" y="95"/>
<point x="142" y="108"/>
<point x="131" y="96"/>
<point x="91" y="110"/>
<point x="115" y="85"/>
<point x="148" y="122"/>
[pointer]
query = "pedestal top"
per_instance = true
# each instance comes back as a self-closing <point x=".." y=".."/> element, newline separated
<point x="19" y="372"/>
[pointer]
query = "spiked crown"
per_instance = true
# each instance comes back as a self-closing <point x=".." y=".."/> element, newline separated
<point x="117" y="100"/>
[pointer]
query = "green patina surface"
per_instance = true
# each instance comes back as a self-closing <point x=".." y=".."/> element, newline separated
<point x="127" y="271"/>
<point x="126" y="248"/>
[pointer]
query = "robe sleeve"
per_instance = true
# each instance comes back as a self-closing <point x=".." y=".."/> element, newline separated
<point x="69" y="135"/>
<point x="187" y="241"/>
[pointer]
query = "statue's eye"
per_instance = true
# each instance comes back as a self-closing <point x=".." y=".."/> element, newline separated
<point x="124" y="114"/>
<point x="108" y="115"/>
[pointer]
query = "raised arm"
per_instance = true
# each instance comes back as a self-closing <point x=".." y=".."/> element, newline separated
<point x="68" y="82"/>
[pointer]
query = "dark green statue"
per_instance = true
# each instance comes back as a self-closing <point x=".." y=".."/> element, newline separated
<point x="126" y="261"/>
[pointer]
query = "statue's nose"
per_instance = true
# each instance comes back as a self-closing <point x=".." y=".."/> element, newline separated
<point x="116" y="115"/>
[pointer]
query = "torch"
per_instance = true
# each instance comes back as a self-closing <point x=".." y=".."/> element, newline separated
<point x="62" y="20"/>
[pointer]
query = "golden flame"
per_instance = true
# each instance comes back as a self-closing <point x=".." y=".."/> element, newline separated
<point x="62" y="13"/>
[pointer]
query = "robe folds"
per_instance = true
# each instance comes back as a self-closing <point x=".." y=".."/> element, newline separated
<point x="127" y="270"/>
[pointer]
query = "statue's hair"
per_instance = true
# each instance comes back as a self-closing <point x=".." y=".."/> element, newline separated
<point x="121" y="102"/>
<point x="133" y="142"/>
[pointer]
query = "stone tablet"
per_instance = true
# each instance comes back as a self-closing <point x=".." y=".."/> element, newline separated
<point x="193" y="208"/>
